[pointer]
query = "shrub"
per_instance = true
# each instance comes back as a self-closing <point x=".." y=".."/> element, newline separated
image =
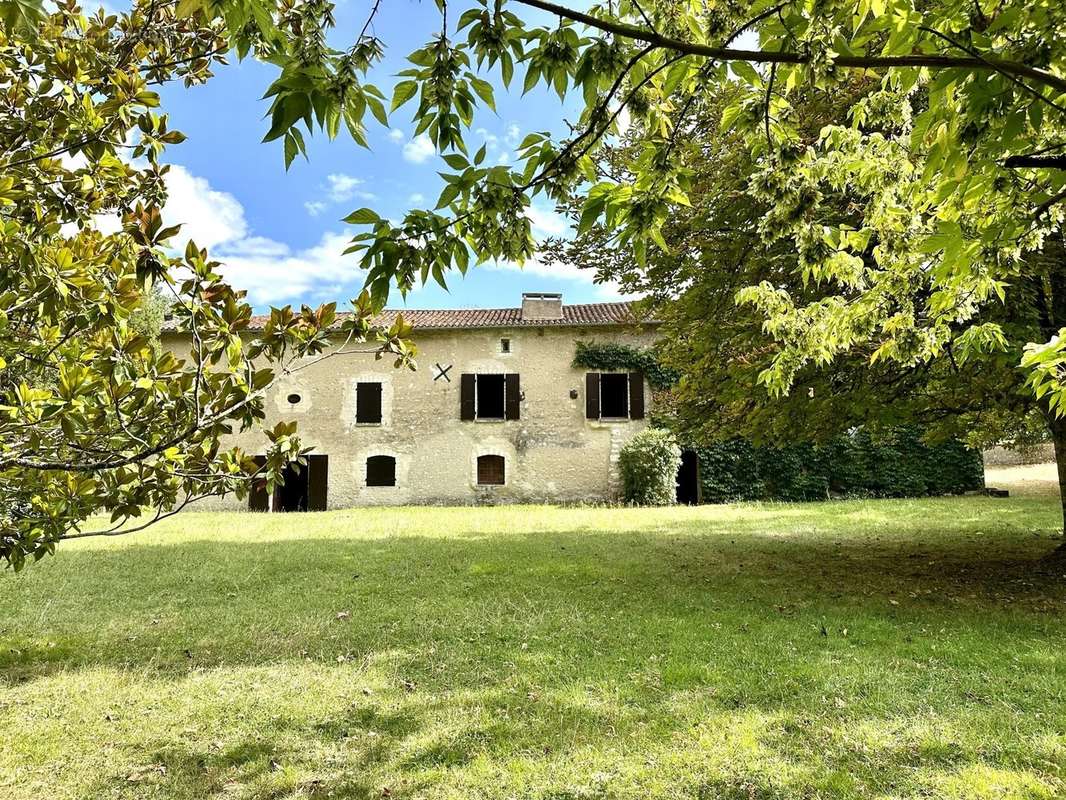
<point x="896" y="463"/>
<point x="649" y="463"/>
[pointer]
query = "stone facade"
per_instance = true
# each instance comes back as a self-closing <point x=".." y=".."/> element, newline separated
<point x="552" y="451"/>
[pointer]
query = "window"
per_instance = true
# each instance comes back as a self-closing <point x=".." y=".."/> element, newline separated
<point x="614" y="395"/>
<point x="368" y="403"/>
<point x="491" y="397"/>
<point x="490" y="471"/>
<point x="490" y="402"/>
<point x="505" y="345"/>
<point x="381" y="471"/>
<point x="294" y="398"/>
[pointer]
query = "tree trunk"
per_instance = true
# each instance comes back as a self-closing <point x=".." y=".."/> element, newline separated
<point x="1058" y="437"/>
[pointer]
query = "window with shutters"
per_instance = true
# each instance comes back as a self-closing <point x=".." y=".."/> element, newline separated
<point x="614" y="396"/>
<point x="368" y="403"/>
<point x="489" y="397"/>
<point x="490" y="471"/>
<point x="381" y="471"/>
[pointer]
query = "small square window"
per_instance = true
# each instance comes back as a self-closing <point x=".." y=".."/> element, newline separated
<point x="505" y="345"/>
<point x="381" y="471"/>
<point x="490" y="471"/>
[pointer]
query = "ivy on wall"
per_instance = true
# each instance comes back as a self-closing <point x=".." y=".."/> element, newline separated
<point x="612" y="357"/>
<point x="858" y="464"/>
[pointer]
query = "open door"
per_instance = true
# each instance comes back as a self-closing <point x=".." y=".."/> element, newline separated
<point x="688" y="479"/>
<point x="304" y="490"/>
<point x="258" y="498"/>
<point x="292" y="495"/>
<point x="317" y="482"/>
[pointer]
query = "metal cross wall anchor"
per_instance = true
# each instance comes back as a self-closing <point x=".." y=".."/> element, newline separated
<point x="442" y="372"/>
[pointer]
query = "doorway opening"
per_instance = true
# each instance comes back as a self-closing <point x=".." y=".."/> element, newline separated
<point x="292" y="496"/>
<point x="688" y="479"/>
<point x="304" y="490"/>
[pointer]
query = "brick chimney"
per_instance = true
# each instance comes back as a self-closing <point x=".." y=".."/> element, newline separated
<point x="541" y="305"/>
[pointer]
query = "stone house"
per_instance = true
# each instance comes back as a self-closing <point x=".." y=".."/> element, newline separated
<point x="495" y="412"/>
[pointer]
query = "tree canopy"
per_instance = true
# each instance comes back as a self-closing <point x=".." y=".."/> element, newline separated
<point x="951" y="169"/>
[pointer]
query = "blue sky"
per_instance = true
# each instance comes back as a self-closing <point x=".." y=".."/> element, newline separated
<point x="279" y="233"/>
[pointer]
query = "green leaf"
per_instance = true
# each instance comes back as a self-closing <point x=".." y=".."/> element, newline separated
<point x="377" y="108"/>
<point x="484" y="91"/>
<point x="403" y="92"/>
<point x="362" y="216"/>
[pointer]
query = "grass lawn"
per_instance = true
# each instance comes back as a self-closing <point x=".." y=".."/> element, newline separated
<point x="881" y="649"/>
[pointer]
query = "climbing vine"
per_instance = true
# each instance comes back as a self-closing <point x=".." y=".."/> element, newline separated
<point x="611" y="356"/>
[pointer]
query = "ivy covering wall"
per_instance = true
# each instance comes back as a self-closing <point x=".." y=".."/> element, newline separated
<point x="613" y="357"/>
<point x="898" y="464"/>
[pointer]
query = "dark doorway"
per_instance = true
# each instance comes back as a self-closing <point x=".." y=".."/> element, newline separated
<point x="688" y="479"/>
<point x="305" y="487"/>
<point x="293" y="495"/>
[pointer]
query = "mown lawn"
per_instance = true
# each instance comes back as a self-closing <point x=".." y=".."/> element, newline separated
<point x="852" y="649"/>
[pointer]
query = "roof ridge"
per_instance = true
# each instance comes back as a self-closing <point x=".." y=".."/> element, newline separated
<point x="575" y="315"/>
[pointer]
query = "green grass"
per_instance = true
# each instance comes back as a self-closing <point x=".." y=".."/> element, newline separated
<point x="852" y="649"/>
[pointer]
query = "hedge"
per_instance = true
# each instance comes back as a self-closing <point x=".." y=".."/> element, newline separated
<point x="897" y="464"/>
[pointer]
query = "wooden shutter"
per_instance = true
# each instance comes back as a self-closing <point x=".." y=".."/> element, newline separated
<point x="258" y="499"/>
<point x="467" y="389"/>
<point x="381" y="471"/>
<point x="368" y="403"/>
<point x="592" y="395"/>
<point x="317" y="481"/>
<point x="490" y="470"/>
<point x="513" y="395"/>
<point x="636" y="395"/>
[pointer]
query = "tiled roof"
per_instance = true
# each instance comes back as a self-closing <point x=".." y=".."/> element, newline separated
<point x="584" y="315"/>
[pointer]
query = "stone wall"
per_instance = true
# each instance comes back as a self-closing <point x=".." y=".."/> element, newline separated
<point x="1011" y="457"/>
<point x="553" y="454"/>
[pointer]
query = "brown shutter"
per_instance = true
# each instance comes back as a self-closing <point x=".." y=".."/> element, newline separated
<point x="368" y="403"/>
<point x="513" y="396"/>
<point x="466" y="396"/>
<point x="636" y="395"/>
<point x="490" y="471"/>
<point x="258" y="499"/>
<point x="317" y="481"/>
<point x="592" y="395"/>
<point x="381" y="471"/>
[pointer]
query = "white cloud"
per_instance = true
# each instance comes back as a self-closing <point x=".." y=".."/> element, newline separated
<point x="208" y="217"/>
<point x="397" y="135"/>
<point x="419" y="149"/>
<point x="546" y="222"/>
<point x="342" y="187"/>
<point x="416" y="199"/>
<point x="513" y="135"/>
<point x="315" y="207"/>
<point x="275" y="274"/>
<point x="269" y="270"/>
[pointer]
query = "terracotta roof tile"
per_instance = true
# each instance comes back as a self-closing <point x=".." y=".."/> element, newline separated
<point x="582" y="315"/>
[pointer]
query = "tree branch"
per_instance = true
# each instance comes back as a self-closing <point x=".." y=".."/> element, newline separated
<point x="1036" y="162"/>
<point x="932" y="61"/>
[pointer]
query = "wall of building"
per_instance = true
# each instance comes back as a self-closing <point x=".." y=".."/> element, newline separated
<point x="553" y="454"/>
